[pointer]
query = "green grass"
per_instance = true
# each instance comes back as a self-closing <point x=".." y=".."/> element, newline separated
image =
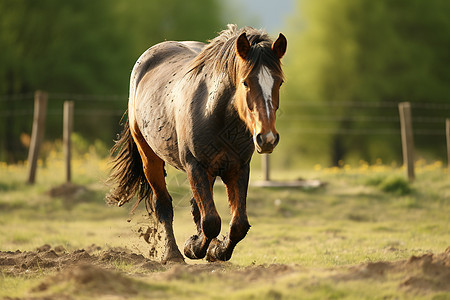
<point x="365" y="214"/>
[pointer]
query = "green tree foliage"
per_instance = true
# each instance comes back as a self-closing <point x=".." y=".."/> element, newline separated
<point x="372" y="53"/>
<point x="84" y="47"/>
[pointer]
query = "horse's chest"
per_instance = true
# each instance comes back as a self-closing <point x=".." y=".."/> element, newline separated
<point x="221" y="151"/>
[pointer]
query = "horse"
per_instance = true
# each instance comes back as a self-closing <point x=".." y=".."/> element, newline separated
<point x="204" y="109"/>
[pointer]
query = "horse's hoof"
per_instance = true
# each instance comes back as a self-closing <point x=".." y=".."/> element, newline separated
<point x="218" y="252"/>
<point x="173" y="257"/>
<point x="213" y="254"/>
<point x="173" y="260"/>
<point x="188" y="251"/>
<point x="190" y="248"/>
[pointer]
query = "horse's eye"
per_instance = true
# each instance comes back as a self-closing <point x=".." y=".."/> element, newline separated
<point x="245" y="84"/>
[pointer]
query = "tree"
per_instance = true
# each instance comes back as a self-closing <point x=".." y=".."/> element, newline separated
<point x="84" y="47"/>
<point x="372" y="53"/>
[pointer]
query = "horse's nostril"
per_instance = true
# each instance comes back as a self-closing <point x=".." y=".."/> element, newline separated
<point x="259" y="140"/>
<point x="277" y="139"/>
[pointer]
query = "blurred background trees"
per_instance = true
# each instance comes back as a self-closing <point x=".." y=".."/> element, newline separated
<point x="83" y="47"/>
<point x="354" y="60"/>
<point x="349" y="63"/>
<point x="87" y="46"/>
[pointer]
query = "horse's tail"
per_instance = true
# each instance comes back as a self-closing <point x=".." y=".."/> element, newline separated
<point x="127" y="177"/>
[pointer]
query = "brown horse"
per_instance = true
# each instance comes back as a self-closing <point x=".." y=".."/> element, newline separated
<point x="203" y="109"/>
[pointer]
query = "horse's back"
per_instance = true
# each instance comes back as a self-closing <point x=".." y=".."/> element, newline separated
<point x="163" y="54"/>
<point x="196" y="47"/>
<point x="152" y="84"/>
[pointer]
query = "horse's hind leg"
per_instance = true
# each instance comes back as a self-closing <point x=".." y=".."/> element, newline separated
<point x="161" y="201"/>
<point x="236" y="183"/>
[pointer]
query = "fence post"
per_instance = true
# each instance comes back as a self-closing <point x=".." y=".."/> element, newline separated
<point x="266" y="167"/>
<point x="407" y="138"/>
<point x="67" y="132"/>
<point x="447" y="131"/>
<point x="37" y="134"/>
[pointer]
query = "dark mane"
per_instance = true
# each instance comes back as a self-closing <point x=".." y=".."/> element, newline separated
<point x="220" y="56"/>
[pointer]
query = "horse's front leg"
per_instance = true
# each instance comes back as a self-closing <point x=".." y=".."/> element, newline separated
<point x="205" y="214"/>
<point x="236" y="183"/>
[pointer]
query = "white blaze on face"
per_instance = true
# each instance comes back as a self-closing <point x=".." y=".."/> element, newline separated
<point x="266" y="82"/>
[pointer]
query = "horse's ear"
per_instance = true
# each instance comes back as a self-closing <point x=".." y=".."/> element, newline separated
<point x="279" y="46"/>
<point x="242" y="46"/>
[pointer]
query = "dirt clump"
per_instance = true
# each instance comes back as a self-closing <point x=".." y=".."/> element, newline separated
<point x="190" y="272"/>
<point x="266" y="272"/>
<point x="227" y="272"/>
<point x="428" y="272"/>
<point x="51" y="259"/>
<point x="90" y="279"/>
<point x="367" y="270"/>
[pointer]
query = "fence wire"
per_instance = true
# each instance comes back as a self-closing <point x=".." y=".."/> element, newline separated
<point x="428" y="115"/>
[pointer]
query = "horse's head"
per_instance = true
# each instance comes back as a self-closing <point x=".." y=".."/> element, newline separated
<point x="258" y="82"/>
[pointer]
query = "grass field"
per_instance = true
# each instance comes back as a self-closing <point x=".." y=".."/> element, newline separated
<point x="366" y="234"/>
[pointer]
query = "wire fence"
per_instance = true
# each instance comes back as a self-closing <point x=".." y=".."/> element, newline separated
<point x="98" y="117"/>
<point x="362" y="118"/>
<point x="65" y="96"/>
<point x="366" y="114"/>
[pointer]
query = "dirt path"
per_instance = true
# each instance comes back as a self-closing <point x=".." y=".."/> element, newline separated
<point x="121" y="273"/>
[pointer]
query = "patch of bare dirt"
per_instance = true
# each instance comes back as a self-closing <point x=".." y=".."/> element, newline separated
<point x="428" y="272"/>
<point x="265" y="272"/>
<point x="92" y="279"/>
<point x="57" y="258"/>
<point x="97" y="271"/>
<point x="85" y="279"/>
<point x="226" y="270"/>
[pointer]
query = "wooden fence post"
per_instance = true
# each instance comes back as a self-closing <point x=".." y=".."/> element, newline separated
<point x="266" y="167"/>
<point x="67" y="132"/>
<point x="407" y="138"/>
<point x="37" y="134"/>
<point x="447" y="131"/>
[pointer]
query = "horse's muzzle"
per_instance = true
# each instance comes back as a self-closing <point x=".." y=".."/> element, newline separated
<point x="265" y="143"/>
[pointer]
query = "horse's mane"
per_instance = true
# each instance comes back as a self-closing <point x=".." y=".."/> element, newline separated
<point x="220" y="57"/>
